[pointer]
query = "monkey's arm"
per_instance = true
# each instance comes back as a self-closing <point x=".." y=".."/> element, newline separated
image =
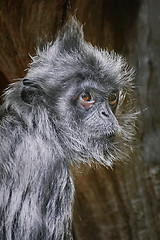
<point x="35" y="192"/>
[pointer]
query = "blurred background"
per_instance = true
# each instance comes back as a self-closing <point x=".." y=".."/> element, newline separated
<point x="122" y="203"/>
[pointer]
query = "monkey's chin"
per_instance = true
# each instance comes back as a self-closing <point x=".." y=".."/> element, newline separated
<point x="102" y="143"/>
<point x="106" y="138"/>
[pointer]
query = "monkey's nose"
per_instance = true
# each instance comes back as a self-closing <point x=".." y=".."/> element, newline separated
<point x="105" y="114"/>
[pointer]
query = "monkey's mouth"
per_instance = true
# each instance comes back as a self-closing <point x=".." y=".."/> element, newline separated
<point x="111" y="136"/>
<point x="103" y="139"/>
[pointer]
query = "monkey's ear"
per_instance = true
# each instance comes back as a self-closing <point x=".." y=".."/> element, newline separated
<point x="70" y="38"/>
<point x="30" y="91"/>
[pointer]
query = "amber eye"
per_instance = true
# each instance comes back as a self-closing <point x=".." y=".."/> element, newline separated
<point x="84" y="101"/>
<point x="86" y="96"/>
<point x="112" y="99"/>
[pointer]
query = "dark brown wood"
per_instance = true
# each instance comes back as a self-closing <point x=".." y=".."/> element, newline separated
<point x="3" y="83"/>
<point x="122" y="203"/>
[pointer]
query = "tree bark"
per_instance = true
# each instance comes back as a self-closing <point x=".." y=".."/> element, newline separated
<point x="120" y="203"/>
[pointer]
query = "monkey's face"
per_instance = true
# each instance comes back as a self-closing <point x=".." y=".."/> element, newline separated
<point x="91" y="110"/>
<point x="95" y="110"/>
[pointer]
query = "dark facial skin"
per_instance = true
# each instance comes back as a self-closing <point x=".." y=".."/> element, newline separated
<point x="95" y="109"/>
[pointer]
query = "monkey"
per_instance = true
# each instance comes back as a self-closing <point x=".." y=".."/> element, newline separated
<point x="73" y="106"/>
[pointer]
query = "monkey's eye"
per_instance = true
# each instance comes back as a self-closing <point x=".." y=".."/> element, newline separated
<point x="85" y="100"/>
<point x="86" y="96"/>
<point x="113" y="99"/>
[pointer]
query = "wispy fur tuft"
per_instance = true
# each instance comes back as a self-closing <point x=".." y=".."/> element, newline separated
<point x="42" y="133"/>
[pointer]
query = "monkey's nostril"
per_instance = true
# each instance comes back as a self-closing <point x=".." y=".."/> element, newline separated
<point x="105" y="114"/>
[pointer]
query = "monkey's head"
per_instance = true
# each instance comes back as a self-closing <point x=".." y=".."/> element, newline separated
<point x="87" y="93"/>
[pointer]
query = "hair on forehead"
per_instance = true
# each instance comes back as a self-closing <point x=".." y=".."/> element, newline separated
<point x="71" y="35"/>
<point x="70" y="53"/>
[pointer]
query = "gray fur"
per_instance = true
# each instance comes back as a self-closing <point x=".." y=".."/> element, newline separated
<point x="42" y="133"/>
